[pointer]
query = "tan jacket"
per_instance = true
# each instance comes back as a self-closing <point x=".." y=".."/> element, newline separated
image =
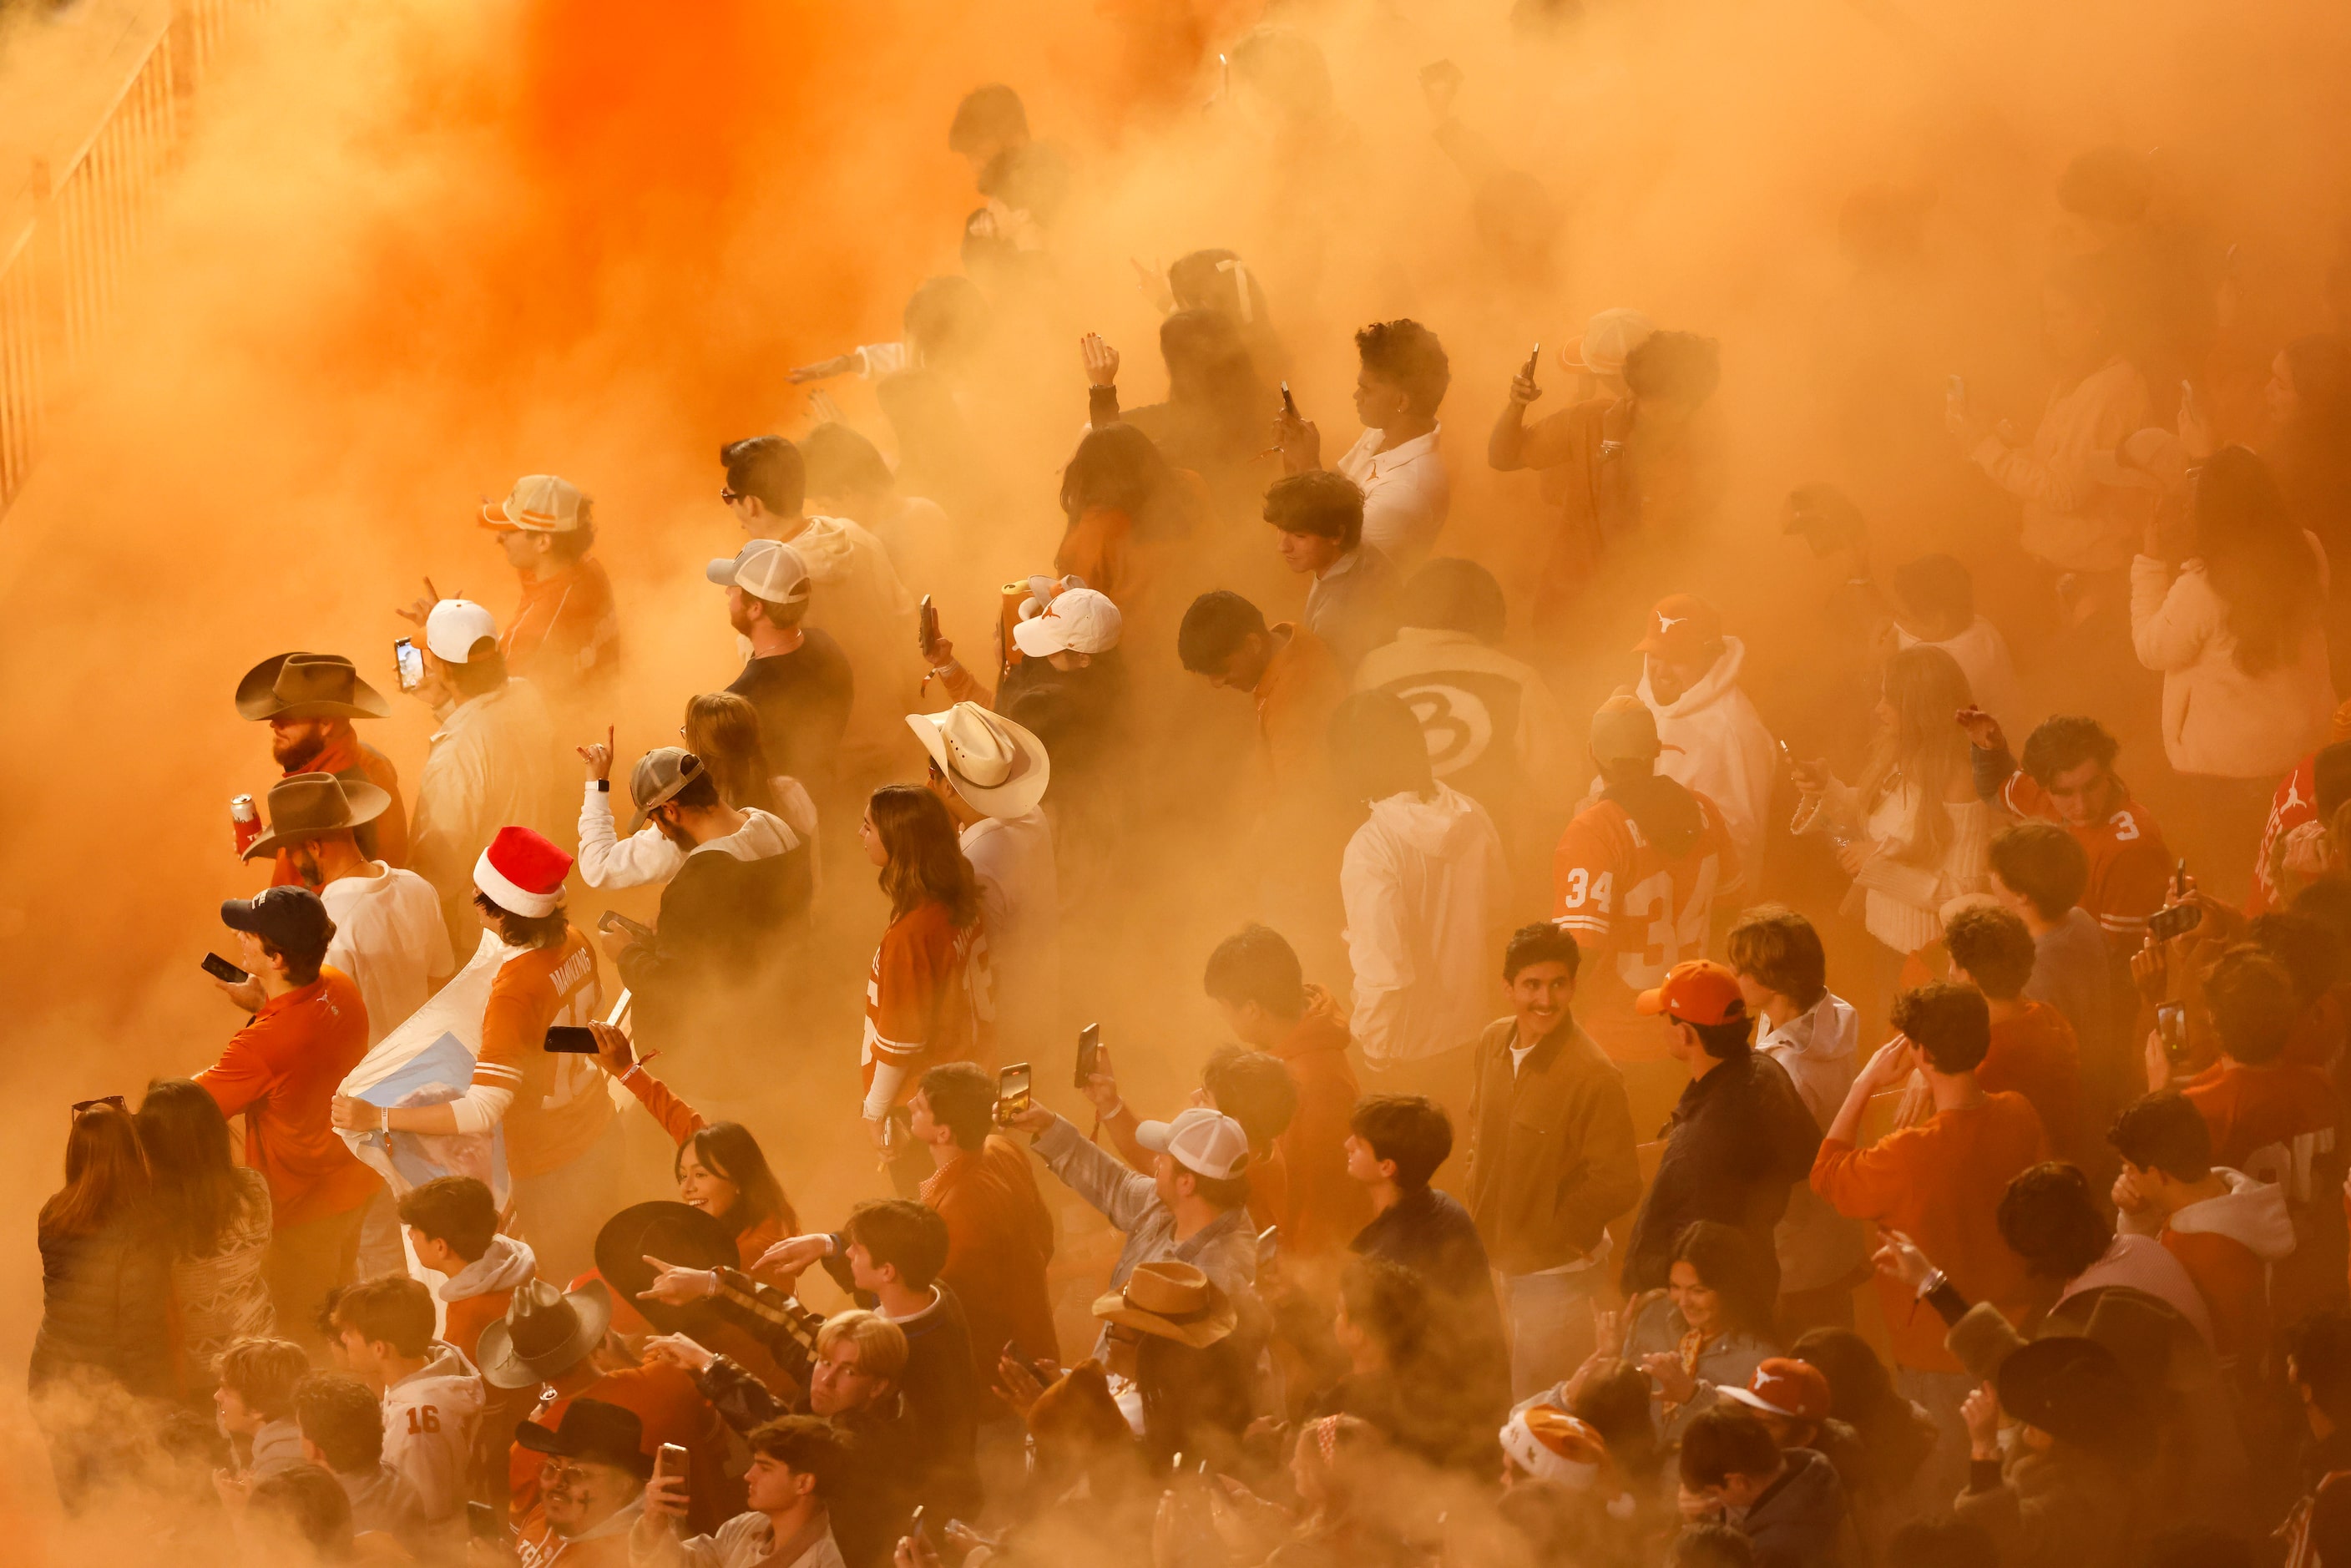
<point x="1550" y="1148"/>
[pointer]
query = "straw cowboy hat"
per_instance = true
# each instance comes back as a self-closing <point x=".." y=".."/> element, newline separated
<point x="999" y="768"/>
<point x="308" y="685"/>
<point x="1172" y="1301"/>
<point x="304" y="805"/>
<point x="545" y="1333"/>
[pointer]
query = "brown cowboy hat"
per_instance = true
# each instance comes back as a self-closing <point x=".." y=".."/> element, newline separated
<point x="308" y="685"/>
<point x="1174" y="1300"/>
<point x="545" y="1333"/>
<point x="304" y="805"/>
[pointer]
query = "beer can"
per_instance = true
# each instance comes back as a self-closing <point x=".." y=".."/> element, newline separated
<point x="244" y="821"/>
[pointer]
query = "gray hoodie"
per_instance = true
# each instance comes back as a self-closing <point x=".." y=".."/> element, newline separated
<point x="507" y="1263"/>
<point x="1817" y="1245"/>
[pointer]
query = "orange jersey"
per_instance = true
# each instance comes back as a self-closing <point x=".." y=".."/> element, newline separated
<point x="2130" y="871"/>
<point x="919" y="998"/>
<point x="560" y="1105"/>
<point x="1617" y="892"/>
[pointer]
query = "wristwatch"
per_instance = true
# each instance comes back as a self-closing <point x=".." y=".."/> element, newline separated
<point x="603" y="786"/>
<point x="1934" y="1281"/>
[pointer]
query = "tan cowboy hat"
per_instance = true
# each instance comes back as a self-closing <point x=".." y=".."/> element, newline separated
<point x="304" y="805"/>
<point x="308" y="685"/>
<point x="999" y="768"/>
<point x="545" y="1333"/>
<point x="1174" y="1300"/>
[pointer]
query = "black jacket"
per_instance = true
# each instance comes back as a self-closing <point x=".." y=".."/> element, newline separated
<point x="1800" y="1523"/>
<point x="723" y="916"/>
<point x="1432" y="1235"/>
<point x="1739" y="1139"/>
<point x="105" y="1296"/>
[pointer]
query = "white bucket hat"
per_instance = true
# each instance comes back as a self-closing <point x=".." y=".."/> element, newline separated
<point x="996" y="766"/>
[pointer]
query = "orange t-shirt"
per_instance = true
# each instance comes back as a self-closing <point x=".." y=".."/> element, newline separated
<point x="282" y="1070"/>
<point x="918" y="998"/>
<point x="559" y="1106"/>
<point x="2034" y="1053"/>
<point x="1300" y="688"/>
<point x="2250" y="1108"/>
<point x="1940" y="1184"/>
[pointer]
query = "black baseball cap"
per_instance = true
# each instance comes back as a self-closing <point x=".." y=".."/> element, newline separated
<point x="290" y="919"/>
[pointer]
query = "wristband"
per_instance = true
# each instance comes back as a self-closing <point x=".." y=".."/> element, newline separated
<point x="1934" y="1281"/>
<point x="603" y="786"/>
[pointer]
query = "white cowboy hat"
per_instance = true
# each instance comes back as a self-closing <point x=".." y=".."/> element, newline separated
<point x="1000" y="769"/>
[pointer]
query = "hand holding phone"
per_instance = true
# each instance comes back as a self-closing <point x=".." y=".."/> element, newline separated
<point x="1012" y="1099"/>
<point x="927" y="629"/>
<point x="221" y="969"/>
<point x="2174" y="920"/>
<point x="2171" y="1028"/>
<point x="408" y="664"/>
<point x="1289" y="403"/>
<point x="612" y="920"/>
<point x="570" y="1040"/>
<point x="1089" y="1054"/>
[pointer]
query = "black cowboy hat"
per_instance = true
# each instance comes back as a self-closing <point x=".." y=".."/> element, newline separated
<point x="592" y="1430"/>
<point x="673" y="1232"/>
<point x="308" y="685"/>
<point x="2077" y="1390"/>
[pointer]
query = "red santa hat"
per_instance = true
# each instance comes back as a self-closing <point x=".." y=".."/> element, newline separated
<point x="522" y="873"/>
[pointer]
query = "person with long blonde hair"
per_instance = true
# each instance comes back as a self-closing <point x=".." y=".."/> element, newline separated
<point x="930" y="971"/>
<point x="1912" y="835"/>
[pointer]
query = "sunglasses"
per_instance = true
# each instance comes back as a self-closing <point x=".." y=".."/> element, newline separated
<point x="729" y="496"/>
<point x="84" y="1107"/>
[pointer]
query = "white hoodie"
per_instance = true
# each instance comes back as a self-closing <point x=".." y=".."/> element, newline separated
<point x="2251" y="1212"/>
<point x="507" y="1263"/>
<point x="861" y="603"/>
<point x="429" y="1421"/>
<point x="1817" y="1245"/>
<point x="1715" y="743"/>
<point x="1424" y="888"/>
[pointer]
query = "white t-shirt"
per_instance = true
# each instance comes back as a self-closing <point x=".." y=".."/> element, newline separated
<point x="1020" y="912"/>
<point x="389" y="939"/>
<point x="1406" y="493"/>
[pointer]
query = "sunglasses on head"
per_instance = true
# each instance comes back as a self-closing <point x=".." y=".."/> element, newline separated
<point x="729" y="496"/>
<point x="83" y="1107"/>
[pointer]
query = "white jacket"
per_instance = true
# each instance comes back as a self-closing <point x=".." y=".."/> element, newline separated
<point x="1817" y="1245"/>
<point x="1424" y="888"/>
<point x="491" y="763"/>
<point x="609" y="861"/>
<point x="429" y="1420"/>
<point x="2251" y="1212"/>
<point x="861" y="603"/>
<point x="2218" y="720"/>
<point x="1715" y="743"/>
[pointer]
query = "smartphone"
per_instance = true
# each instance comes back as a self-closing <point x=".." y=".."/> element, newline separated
<point x="409" y="663"/>
<point x="670" y="1460"/>
<point x="1012" y="1091"/>
<point x="2178" y="920"/>
<point x="2179" y="877"/>
<point x="1089" y="1053"/>
<point x="570" y="1038"/>
<point x="1269" y="1243"/>
<point x="220" y="969"/>
<point x="926" y="628"/>
<point x="1289" y="405"/>
<point x="482" y="1521"/>
<point x="2171" y="1028"/>
<point x="1534" y="356"/>
<point x="914" y="1526"/>
<point x="613" y="920"/>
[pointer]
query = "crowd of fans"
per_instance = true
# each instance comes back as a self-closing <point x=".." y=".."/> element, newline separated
<point x="2022" y="1246"/>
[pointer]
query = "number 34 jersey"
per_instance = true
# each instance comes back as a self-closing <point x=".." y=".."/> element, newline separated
<point x="1621" y="894"/>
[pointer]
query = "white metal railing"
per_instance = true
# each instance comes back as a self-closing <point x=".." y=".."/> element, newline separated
<point x="68" y="243"/>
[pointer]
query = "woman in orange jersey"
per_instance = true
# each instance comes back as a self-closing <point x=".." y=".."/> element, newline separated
<point x="928" y="991"/>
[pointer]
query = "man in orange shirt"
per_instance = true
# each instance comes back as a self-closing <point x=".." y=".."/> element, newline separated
<point x="308" y="701"/>
<point x="999" y="1233"/>
<point x="2032" y="1047"/>
<point x="564" y="635"/>
<point x="309" y="1029"/>
<point x="2249" y="1098"/>
<point x="560" y="1135"/>
<point x="1938" y="1183"/>
<point x="1290" y="673"/>
<point x="2225" y="1227"/>
<point x="1257" y="983"/>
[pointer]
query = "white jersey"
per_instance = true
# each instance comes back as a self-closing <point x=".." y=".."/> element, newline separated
<point x="429" y="1418"/>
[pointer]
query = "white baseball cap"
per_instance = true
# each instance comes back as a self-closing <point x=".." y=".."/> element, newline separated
<point x="1204" y="1142"/>
<point x="764" y="569"/>
<point x="539" y="503"/>
<point x="1609" y="338"/>
<point x="1078" y="620"/>
<point x="454" y="626"/>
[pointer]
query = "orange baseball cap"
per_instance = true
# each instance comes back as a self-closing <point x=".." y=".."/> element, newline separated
<point x="1698" y="990"/>
<point x="1682" y="627"/>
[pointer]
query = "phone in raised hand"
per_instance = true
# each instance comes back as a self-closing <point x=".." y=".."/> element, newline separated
<point x="1089" y="1054"/>
<point x="1289" y="403"/>
<point x="926" y="628"/>
<point x="408" y="662"/>
<point x="1534" y="357"/>
<point x="1012" y="1098"/>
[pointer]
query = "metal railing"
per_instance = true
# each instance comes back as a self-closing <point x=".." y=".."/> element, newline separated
<point x="69" y="241"/>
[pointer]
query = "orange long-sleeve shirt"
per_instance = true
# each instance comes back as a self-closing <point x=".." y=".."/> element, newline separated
<point x="1940" y="1183"/>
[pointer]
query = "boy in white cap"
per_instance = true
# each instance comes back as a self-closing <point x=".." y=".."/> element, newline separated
<point x="797" y="676"/>
<point x="565" y="634"/>
<point x="1193" y="1208"/>
<point x="991" y="774"/>
<point x="490" y="763"/>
